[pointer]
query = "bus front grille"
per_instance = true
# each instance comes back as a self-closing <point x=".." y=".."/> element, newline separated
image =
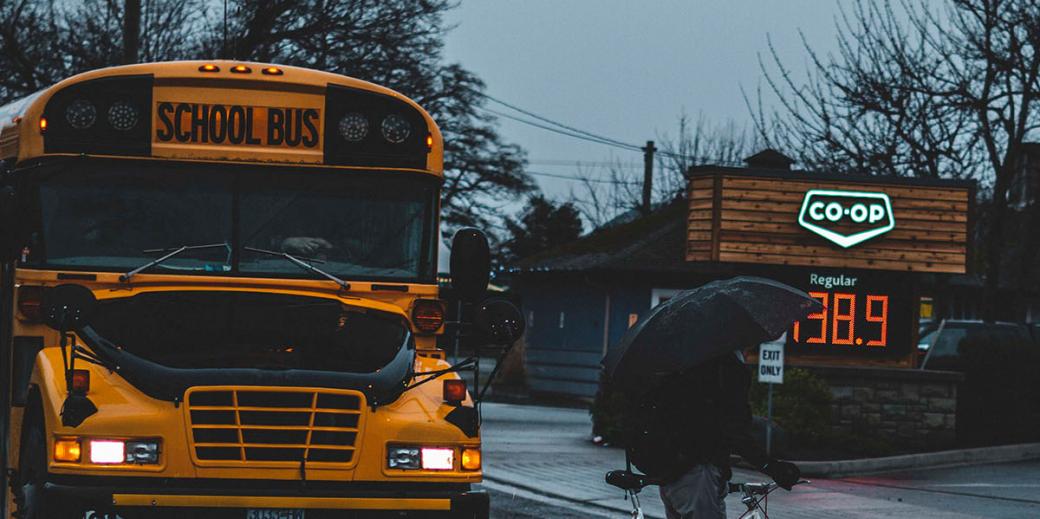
<point x="274" y="427"/>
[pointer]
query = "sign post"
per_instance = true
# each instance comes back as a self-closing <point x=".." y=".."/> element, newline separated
<point x="771" y="371"/>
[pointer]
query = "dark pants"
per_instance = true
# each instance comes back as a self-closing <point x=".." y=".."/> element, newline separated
<point x="700" y="493"/>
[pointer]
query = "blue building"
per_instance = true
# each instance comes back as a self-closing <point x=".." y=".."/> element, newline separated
<point x="582" y="297"/>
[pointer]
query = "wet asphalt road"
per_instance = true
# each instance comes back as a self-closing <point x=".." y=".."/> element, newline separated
<point x="505" y="505"/>
<point x="513" y="434"/>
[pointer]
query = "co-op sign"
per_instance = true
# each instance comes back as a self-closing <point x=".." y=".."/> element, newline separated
<point x="846" y="218"/>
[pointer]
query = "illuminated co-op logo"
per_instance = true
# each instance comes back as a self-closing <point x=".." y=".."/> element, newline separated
<point x="846" y="217"/>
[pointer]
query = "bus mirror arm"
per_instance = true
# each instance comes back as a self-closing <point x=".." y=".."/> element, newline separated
<point x="77" y="407"/>
<point x="66" y="308"/>
<point x="464" y="365"/>
<point x="494" y="371"/>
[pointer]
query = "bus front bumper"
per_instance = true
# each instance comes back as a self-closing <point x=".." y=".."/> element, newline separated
<point x="405" y="500"/>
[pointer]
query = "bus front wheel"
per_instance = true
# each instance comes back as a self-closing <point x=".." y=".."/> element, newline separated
<point x="30" y="500"/>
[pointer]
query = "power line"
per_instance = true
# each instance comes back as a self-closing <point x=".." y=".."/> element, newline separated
<point x="582" y="179"/>
<point x="571" y="131"/>
<point x="579" y="163"/>
<point x="561" y="132"/>
<point x="615" y="142"/>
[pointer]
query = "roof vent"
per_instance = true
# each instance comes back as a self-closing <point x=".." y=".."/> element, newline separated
<point x="769" y="159"/>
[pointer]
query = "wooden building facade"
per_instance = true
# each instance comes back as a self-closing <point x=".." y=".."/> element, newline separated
<point x="864" y="246"/>
<point x="743" y="216"/>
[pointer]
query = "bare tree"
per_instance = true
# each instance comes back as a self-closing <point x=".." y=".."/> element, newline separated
<point x="605" y="192"/>
<point x="42" y="42"/>
<point x="610" y="191"/>
<point x="397" y="43"/>
<point x="698" y="142"/>
<point x="919" y="88"/>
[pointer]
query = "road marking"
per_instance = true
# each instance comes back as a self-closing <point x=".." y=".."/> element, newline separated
<point x="985" y="485"/>
<point x="938" y="491"/>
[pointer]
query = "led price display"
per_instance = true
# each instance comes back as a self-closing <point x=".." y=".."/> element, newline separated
<point x="861" y="316"/>
<point x="839" y="321"/>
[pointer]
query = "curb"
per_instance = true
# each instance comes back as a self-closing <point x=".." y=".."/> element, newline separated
<point x="929" y="460"/>
<point x="504" y="483"/>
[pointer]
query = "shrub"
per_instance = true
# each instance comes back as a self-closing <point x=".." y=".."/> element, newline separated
<point x="801" y="406"/>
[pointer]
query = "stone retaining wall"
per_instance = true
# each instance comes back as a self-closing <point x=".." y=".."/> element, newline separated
<point x="906" y="407"/>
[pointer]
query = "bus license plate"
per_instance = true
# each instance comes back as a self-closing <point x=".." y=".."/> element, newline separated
<point x="261" y="513"/>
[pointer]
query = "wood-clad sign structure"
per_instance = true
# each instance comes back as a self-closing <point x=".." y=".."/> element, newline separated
<point x="812" y="220"/>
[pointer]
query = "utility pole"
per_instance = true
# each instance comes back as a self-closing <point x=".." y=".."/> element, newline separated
<point x="648" y="175"/>
<point x="131" y="31"/>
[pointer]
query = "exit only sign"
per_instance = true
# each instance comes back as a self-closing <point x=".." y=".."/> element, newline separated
<point x="771" y="362"/>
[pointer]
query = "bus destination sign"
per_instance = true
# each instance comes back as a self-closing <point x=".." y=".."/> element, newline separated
<point x="237" y="125"/>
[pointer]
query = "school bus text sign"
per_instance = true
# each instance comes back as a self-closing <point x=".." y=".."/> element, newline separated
<point x="232" y="124"/>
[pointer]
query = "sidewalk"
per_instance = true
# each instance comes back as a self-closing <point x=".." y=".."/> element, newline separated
<point x="546" y="451"/>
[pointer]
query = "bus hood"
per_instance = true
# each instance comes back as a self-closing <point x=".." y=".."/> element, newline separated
<point x="170" y="384"/>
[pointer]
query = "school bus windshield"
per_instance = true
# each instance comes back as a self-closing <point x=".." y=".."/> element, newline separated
<point x="121" y="215"/>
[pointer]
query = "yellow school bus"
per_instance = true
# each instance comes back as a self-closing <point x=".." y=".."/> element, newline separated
<point x="259" y="247"/>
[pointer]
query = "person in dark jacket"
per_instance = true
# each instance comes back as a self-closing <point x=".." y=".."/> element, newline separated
<point x="714" y="421"/>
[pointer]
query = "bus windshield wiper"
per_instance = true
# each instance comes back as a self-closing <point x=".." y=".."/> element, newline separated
<point x="126" y="277"/>
<point x="303" y="265"/>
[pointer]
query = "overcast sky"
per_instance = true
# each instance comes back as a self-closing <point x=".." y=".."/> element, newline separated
<point x="626" y="69"/>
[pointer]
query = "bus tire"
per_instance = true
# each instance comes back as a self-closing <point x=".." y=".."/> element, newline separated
<point x="30" y="500"/>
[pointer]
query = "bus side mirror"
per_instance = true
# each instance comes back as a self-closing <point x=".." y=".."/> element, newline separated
<point x="500" y="321"/>
<point x="67" y="307"/>
<point x="470" y="264"/>
<point x="502" y="324"/>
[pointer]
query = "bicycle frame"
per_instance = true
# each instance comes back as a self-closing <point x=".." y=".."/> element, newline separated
<point x="755" y="496"/>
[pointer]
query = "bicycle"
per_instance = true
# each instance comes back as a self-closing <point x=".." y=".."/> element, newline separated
<point x="755" y="496"/>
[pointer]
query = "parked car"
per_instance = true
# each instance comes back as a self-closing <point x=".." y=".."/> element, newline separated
<point x="941" y="342"/>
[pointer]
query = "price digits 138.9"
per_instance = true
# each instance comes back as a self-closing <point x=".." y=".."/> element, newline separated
<point x="843" y="315"/>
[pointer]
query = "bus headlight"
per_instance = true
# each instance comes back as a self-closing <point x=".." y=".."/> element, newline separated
<point x="107" y="452"/>
<point x="353" y="127"/>
<point x="438" y="459"/>
<point x="130" y="452"/>
<point x="81" y="114"/>
<point x="142" y="452"/>
<point x="395" y="129"/>
<point x="411" y="457"/>
<point x="403" y="458"/>
<point x="122" y="116"/>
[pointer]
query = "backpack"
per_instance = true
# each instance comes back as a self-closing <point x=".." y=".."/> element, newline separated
<point x="672" y="426"/>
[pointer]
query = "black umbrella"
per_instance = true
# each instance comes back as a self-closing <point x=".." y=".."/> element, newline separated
<point x="699" y="324"/>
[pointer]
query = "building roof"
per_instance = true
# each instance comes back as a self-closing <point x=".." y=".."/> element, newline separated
<point x="770" y="159"/>
<point x="655" y="242"/>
